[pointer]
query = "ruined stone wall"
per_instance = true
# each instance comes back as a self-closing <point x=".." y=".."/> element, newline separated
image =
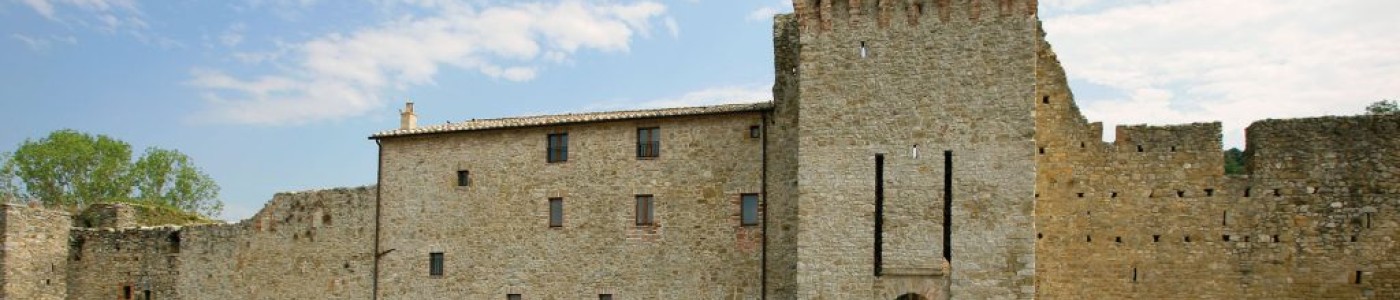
<point x="1152" y="215"/>
<point x="33" y="245"/>
<point x="909" y="80"/>
<point x="495" y="236"/>
<point x="781" y="169"/>
<point x="307" y="245"/>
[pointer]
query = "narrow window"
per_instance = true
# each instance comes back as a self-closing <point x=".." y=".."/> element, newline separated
<point x="755" y="131"/>
<point x="1368" y="220"/>
<point x="556" y="212"/>
<point x="948" y="205"/>
<point x="512" y="296"/>
<point x="1246" y="192"/>
<point x="464" y="178"/>
<point x="126" y="292"/>
<point x="605" y="297"/>
<point x="1088" y="239"/>
<point x="646" y="210"/>
<point x="1134" y="275"/>
<point x="1118" y="239"/>
<point x="748" y="209"/>
<point x="147" y="294"/>
<point x="435" y="264"/>
<point x="648" y="142"/>
<point x="1225" y="218"/>
<point x="1042" y="150"/>
<point x="862" y="49"/>
<point x="1358" y="277"/>
<point x="1275" y="238"/>
<point x="1156" y="238"/>
<point x="1139" y="148"/>
<point x="558" y="147"/>
<point x="879" y="212"/>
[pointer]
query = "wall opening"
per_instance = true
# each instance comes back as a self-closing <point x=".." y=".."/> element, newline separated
<point x="1045" y="100"/>
<point x="1134" y="275"/>
<point x="1118" y="239"/>
<point x="1173" y="149"/>
<point x="948" y="206"/>
<point x="1275" y="238"/>
<point x="1225" y="238"/>
<point x="879" y="211"/>
<point x="863" y="51"/>
<point x="1368" y="220"/>
<point x="1139" y="148"/>
<point x="1088" y="239"/>
<point x="1156" y="238"/>
<point x="1277" y="193"/>
<point x="1188" y="239"/>
<point x="1081" y="195"/>
<point x="911" y="296"/>
<point x="1246" y="192"/>
<point x="1225" y="218"/>
<point x="126" y="292"/>
<point x="1039" y="235"/>
<point x="1042" y="150"/>
<point x="1353" y="239"/>
<point x="1210" y="192"/>
<point x="1180" y="194"/>
<point x="1113" y="195"/>
<point x="1358" y="277"/>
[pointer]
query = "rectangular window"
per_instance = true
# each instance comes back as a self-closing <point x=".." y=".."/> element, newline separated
<point x="605" y="297"/>
<point x="512" y="296"/>
<point x="755" y="131"/>
<point x="464" y="178"/>
<point x="126" y="292"/>
<point x="435" y="264"/>
<point x="556" y="212"/>
<point x="646" y="210"/>
<point x="649" y="142"/>
<point x="748" y="209"/>
<point x="558" y="147"/>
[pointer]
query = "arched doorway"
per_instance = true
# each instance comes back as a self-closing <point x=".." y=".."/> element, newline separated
<point x="911" y="296"/>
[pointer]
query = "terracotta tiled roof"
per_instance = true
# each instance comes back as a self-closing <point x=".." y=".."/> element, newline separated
<point x="530" y="121"/>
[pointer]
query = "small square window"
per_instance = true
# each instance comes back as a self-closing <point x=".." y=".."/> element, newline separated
<point x="435" y="264"/>
<point x="646" y="210"/>
<point x="649" y="142"/>
<point x="605" y="297"/>
<point x="748" y="209"/>
<point x="556" y="212"/>
<point x="464" y="178"/>
<point x="512" y="296"/>
<point x="755" y="131"/>
<point x="558" y="150"/>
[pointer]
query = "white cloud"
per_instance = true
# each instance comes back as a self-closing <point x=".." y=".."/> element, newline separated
<point x="709" y="96"/>
<point x="1233" y="61"/>
<point x="765" y="13"/>
<point x="41" y="44"/>
<point x="233" y="36"/>
<point x="341" y="75"/>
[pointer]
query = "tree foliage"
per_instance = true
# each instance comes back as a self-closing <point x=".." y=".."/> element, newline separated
<point x="1234" y="161"/>
<point x="72" y="169"/>
<point x="1383" y="107"/>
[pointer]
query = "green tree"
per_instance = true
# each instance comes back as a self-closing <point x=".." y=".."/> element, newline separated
<point x="167" y="177"/>
<point x="1234" y="161"/>
<point x="1383" y="107"/>
<point x="71" y="169"/>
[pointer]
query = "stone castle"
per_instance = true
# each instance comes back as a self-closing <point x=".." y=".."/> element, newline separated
<point x="921" y="149"/>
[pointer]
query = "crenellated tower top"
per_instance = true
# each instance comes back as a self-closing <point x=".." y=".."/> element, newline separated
<point x="828" y="14"/>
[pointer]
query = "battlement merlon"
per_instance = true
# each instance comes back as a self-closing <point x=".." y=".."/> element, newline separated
<point x="828" y="14"/>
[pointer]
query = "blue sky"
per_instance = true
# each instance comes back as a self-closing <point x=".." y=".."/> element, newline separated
<point x="279" y="95"/>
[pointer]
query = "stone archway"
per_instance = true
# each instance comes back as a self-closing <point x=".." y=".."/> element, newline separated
<point x="911" y="296"/>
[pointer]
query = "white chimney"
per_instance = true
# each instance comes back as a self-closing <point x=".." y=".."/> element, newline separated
<point x="407" y="120"/>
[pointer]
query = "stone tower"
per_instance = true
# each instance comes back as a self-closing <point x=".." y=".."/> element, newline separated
<point x="903" y="153"/>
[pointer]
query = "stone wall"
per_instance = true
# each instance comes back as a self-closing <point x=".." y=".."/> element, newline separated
<point x="1152" y="213"/>
<point x="33" y="244"/>
<point x="907" y="81"/>
<point x="307" y="245"/>
<point x="495" y="236"/>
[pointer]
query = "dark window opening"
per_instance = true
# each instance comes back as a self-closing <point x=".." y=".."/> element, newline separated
<point x="1246" y="239"/>
<point x="1081" y="195"/>
<point x="1118" y="239"/>
<point x="1246" y="192"/>
<point x="1358" y="277"/>
<point x="646" y="210"/>
<point x="512" y="296"/>
<point x="862" y="49"/>
<point x="605" y="297"/>
<point x="556" y="212"/>
<point x="1113" y="195"/>
<point x="1225" y="238"/>
<point x="649" y="142"/>
<point x="748" y="209"/>
<point x="1042" y="150"/>
<point x="1210" y="192"/>
<point x="1368" y="220"/>
<point x="1353" y="239"/>
<point x="1277" y="193"/>
<point x="755" y="131"/>
<point x="1275" y="238"/>
<point x="1188" y="239"/>
<point x="1088" y="239"/>
<point x="147" y="294"/>
<point x="1134" y="275"/>
<point x="435" y="264"/>
<point x="464" y="178"/>
<point x="1225" y="218"/>
<point x="1045" y="100"/>
<point x="126" y="292"/>
<point x="1156" y="238"/>
<point x="1173" y="149"/>
<point x="558" y="150"/>
<point x="879" y="212"/>
<point x="1139" y="148"/>
<point x="1180" y="194"/>
<point x="1039" y="235"/>
<point x="1081" y="145"/>
<point x="1037" y="195"/>
<point x="948" y="205"/>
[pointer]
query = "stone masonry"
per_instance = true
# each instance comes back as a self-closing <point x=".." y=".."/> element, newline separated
<point x="921" y="149"/>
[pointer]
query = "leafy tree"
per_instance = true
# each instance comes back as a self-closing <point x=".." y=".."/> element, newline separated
<point x="167" y="177"/>
<point x="72" y="169"/>
<point x="1383" y="107"/>
<point x="1234" y="161"/>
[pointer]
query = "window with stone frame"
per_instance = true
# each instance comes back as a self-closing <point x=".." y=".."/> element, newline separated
<point x="558" y="150"/>
<point x="646" y="210"/>
<point x="435" y="268"/>
<point x="556" y="212"/>
<point x="748" y="209"/>
<point x="464" y="178"/>
<point x="512" y="296"/>
<point x="649" y="142"/>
